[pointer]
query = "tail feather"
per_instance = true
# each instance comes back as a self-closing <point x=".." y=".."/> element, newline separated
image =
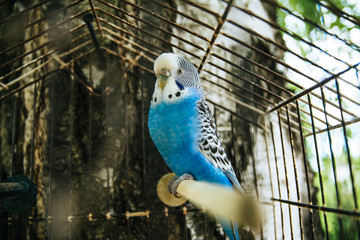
<point x="230" y="228"/>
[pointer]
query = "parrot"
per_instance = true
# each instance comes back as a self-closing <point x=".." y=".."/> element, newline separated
<point x="183" y="129"/>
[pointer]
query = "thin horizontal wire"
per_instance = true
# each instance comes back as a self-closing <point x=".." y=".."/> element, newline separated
<point x="38" y="35"/>
<point x="258" y="96"/>
<point x="44" y="55"/>
<point x="184" y="15"/>
<point x="250" y="13"/>
<point x="285" y="65"/>
<point x="75" y="59"/>
<point x="146" y="22"/>
<point x="144" y="31"/>
<point x="202" y="8"/>
<point x="44" y="76"/>
<point x="98" y="216"/>
<point x="293" y="122"/>
<point x="267" y="55"/>
<point x="356" y="120"/>
<point x="305" y="19"/>
<point x="9" y="94"/>
<point x="252" y="73"/>
<point x="266" y="90"/>
<point x="319" y="208"/>
<point x="113" y="37"/>
<point x="258" y="50"/>
<point x="129" y="34"/>
<point x="41" y="19"/>
<point x="66" y="66"/>
<point x="259" y="65"/>
<point x="237" y="115"/>
<point x="247" y="99"/>
<point x="308" y="90"/>
<point x="340" y="13"/>
<point x="290" y="33"/>
<point x="165" y="20"/>
<point x="74" y="49"/>
<point x="236" y="101"/>
<point x="246" y="80"/>
<point x="282" y="47"/>
<point x="125" y="59"/>
<point x="2" y="21"/>
<point x="18" y="79"/>
<point x="253" y="93"/>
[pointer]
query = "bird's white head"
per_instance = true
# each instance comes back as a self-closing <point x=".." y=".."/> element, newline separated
<point x="174" y="76"/>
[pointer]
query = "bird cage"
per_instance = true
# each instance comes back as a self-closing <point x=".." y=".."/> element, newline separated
<point x="76" y="79"/>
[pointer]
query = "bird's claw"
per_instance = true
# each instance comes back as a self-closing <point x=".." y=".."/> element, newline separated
<point x="175" y="181"/>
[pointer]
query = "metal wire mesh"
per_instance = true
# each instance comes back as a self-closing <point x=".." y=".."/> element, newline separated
<point x="44" y="41"/>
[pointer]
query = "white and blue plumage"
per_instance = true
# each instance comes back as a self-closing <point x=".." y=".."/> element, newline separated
<point x="183" y="129"/>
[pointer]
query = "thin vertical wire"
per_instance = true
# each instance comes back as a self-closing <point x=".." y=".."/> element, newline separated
<point x="107" y="93"/>
<point x="318" y="165"/>
<point x="12" y="152"/>
<point x="257" y="194"/>
<point x="333" y="162"/>
<point x="233" y="139"/>
<point x="13" y="133"/>
<point x="107" y="162"/>
<point x="32" y="152"/>
<point x="143" y="151"/>
<point x="236" y="167"/>
<point x="271" y="180"/>
<point x="126" y="147"/>
<point x="306" y="167"/>
<point x="205" y="225"/>
<point x="286" y="173"/>
<point x="51" y="152"/>
<point x="71" y="130"/>
<point x="349" y="158"/>
<point x="90" y="153"/>
<point x="278" y="180"/>
<point x="167" y="224"/>
<point x="185" y="227"/>
<point x="215" y="112"/>
<point x="295" y="169"/>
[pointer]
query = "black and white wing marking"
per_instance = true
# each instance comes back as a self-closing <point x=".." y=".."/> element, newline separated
<point x="210" y="145"/>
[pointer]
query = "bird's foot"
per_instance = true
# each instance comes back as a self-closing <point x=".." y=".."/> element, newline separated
<point x="175" y="181"/>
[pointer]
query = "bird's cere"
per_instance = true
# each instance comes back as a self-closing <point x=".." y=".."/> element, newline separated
<point x="162" y="80"/>
<point x="167" y="61"/>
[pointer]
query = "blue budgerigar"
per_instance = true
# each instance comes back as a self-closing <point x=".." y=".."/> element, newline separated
<point x="183" y="129"/>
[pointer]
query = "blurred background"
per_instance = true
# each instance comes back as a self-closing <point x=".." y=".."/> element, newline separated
<point x="281" y="79"/>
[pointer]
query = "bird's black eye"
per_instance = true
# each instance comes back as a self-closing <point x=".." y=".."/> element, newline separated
<point x="179" y="71"/>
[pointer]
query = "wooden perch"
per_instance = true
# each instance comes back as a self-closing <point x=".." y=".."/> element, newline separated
<point x="220" y="201"/>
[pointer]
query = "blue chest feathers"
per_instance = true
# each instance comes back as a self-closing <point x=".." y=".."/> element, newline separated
<point x="174" y="128"/>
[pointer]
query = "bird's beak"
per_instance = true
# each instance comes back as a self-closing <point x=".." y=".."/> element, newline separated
<point x="163" y="77"/>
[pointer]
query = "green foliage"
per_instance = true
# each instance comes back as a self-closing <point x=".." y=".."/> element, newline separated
<point x="307" y="19"/>
<point x="346" y="197"/>
<point x="306" y="8"/>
